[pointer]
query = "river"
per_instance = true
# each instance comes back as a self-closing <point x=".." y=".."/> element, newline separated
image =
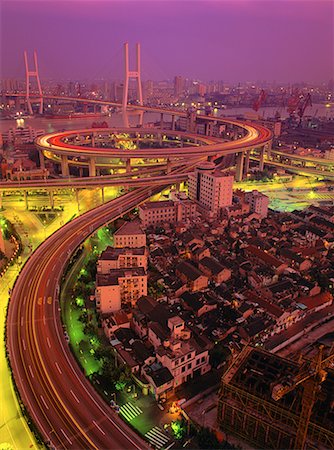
<point x="50" y="125"/>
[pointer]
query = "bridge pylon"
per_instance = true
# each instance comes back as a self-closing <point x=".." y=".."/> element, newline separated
<point x="128" y="74"/>
<point x="33" y="74"/>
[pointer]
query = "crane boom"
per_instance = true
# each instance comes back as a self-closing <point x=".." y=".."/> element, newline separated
<point x="310" y="378"/>
<point x="261" y="98"/>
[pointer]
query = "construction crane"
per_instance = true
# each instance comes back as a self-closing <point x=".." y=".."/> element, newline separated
<point x="293" y="101"/>
<point x="303" y="104"/>
<point x="261" y="98"/>
<point x="311" y="375"/>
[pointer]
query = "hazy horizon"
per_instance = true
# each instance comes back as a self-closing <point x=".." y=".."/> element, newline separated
<point x="286" y="41"/>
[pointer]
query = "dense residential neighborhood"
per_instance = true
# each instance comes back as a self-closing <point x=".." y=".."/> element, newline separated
<point x="180" y="283"/>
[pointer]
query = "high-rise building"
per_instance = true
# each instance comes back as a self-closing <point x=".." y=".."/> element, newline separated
<point x="178" y="85"/>
<point x="210" y="188"/>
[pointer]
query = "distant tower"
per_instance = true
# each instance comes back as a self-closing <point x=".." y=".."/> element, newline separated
<point x="33" y="73"/>
<point x="131" y="74"/>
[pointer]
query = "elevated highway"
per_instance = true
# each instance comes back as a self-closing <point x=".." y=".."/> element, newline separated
<point x="67" y="410"/>
<point x="92" y="182"/>
<point x="69" y="413"/>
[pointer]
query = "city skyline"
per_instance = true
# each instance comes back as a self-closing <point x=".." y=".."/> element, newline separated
<point x="249" y="41"/>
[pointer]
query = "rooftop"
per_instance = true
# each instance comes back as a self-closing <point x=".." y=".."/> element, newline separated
<point x="190" y="271"/>
<point x="111" y="253"/>
<point x="111" y="279"/>
<point x="129" y="228"/>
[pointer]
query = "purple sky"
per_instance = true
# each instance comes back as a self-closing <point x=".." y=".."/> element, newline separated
<point x="283" y="40"/>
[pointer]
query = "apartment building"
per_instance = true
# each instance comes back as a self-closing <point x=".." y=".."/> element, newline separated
<point x="120" y="287"/>
<point x="179" y="352"/>
<point x="168" y="211"/>
<point x="121" y="258"/>
<point x="210" y="189"/>
<point x="258" y="203"/>
<point x="130" y="235"/>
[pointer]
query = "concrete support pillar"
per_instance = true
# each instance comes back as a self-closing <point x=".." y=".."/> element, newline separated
<point x="161" y="120"/>
<point x="173" y="122"/>
<point x="169" y="166"/>
<point x="246" y="167"/>
<point x="102" y="194"/>
<point x="160" y="139"/>
<point x="208" y="128"/>
<point x="125" y="119"/>
<point x="92" y="167"/>
<point x="41" y="159"/>
<point x="140" y="118"/>
<point x="26" y="200"/>
<point x="261" y="164"/>
<point x="93" y="137"/>
<point x="128" y="165"/>
<point x="77" y="198"/>
<point x="240" y="166"/>
<point x="80" y="172"/>
<point x="268" y="149"/>
<point x="65" y="171"/>
<point x="52" y="203"/>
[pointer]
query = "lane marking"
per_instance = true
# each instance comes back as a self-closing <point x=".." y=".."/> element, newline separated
<point x="44" y="322"/>
<point x="48" y="342"/>
<point x="69" y="440"/>
<point x="76" y="398"/>
<point x="48" y="282"/>
<point x="24" y="344"/>
<point x="46" y="406"/>
<point x="53" y="268"/>
<point x="21" y="321"/>
<point x="98" y="427"/>
<point x="24" y="300"/>
<point x="32" y="373"/>
<point x="58" y="368"/>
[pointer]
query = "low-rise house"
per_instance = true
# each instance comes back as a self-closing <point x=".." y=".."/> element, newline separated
<point x="114" y="321"/>
<point x="161" y="380"/>
<point x="266" y="259"/>
<point x="295" y="260"/>
<point x="198" y="303"/>
<point x="316" y="302"/>
<point x="214" y="270"/>
<point x="192" y="276"/>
